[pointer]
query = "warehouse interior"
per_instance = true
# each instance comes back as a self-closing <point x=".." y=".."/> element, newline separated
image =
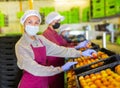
<point x="97" y="20"/>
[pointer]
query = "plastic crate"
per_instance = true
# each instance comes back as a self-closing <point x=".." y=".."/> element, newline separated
<point x="95" y="5"/>
<point x="7" y="46"/>
<point x="111" y="12"/>
<point x="95" y="46"/>
<point x="98" y="13"/>
<point x="110" y="7"/>
<point x="108" y="52"/>
<point x="7" y="57"/>
<point x="97" y="1"/>
<point x="97" y="70"/>
<point x="10" y="79"/>
<point x="118" y="9"/>
<point x="110" y="2"/>
<point x="10" y="38"/>
<point x="98" y="9"/>
<point x="7" y="52"/>
<point x="4" y="72"/>
<point x="97" y="63"/>
<point x="88" y="67"/>
<point x="7" y="86"/>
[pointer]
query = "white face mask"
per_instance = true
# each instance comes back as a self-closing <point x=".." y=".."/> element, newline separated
<point x="31" y="30"/>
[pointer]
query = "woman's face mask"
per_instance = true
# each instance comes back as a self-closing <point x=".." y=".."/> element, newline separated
<point x="56" y="25"/>
<point x="31" y="30"/>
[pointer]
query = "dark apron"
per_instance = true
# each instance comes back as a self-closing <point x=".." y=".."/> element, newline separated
<point x="30" y="81"/>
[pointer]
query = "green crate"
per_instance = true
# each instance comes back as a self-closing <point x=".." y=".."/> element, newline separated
<point x="110" y="2"/>
<point x="96" y="10"/>
<point x="86" y="14"/>
<point x="85" y="19"/>
<point x="118" y="2"/>
<point x="46" y="10"/>
<point x="112" y="7"/>
<point x="118" y="9"/>
<point x="2" y="20"/>
<point x="98" y="14"/>
<point x="19" y="14"/>
<point x="110" y="12"/>
<point x="2" y="24"/>
<point x="96" y="5"/>
<point x="98" y="1"/>
<point x="118" y="40"/>
<point x="1" y="16"/>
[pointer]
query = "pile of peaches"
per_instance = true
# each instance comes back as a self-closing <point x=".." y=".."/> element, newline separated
<point x="103" y="79"/>
<point x="71" y="80"/>
<point x="88" y="60"/>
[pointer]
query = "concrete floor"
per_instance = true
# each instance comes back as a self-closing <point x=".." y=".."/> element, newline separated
<point x="110" y="46"/>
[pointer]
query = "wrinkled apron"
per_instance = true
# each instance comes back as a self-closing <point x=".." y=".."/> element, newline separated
<point x="56" y="81"/>
<point x="30" y="81"/>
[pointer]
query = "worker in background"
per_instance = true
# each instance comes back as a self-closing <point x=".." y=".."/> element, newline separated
<point x="31" y="51"/>
<point x="71" y="36"/>
<point x="53" y="20"/>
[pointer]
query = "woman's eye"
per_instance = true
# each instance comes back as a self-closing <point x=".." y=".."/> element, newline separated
<point x="37" y="22"/>
<point x="29" y="22"/>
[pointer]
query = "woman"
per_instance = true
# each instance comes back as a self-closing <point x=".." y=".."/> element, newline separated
<point x="31" y="51"/>
<point x="71" y="35"/>
<point x="53" y="20"/>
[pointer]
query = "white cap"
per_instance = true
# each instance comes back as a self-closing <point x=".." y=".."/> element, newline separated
<point x="53" y="16"/>
<point x="29" y="13"/>
<point x="64" y="27"/>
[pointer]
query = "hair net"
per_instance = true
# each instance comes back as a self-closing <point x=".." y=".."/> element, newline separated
<point x="64" y="27"/>
<point x="29" y="13"/>
<point x="53" y="16"/>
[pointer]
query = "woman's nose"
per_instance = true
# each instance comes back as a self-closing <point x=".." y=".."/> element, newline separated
<point x="33" y="24"/>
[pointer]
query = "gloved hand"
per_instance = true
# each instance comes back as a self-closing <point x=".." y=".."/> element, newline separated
<point x="82" y="44"/>
<point x="88" y="52"/>
<point x="67" y="66"/>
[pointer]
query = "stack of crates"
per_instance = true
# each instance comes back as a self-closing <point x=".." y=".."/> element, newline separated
<point x="2" y="20"/>
<point x="97" y="8"/>
<point x="110" y="7"/>
<point x="9" y="72"/>
<point x="71" y="16"/>
<point x="75" y="16"/>
<point x="86" y="14"/>
<point x="46" y="10"/>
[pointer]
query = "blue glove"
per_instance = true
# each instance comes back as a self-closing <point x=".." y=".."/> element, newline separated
<point x="88" y="52"/>
<point x="67" y="66"/>
<point x="82" y="44"/>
